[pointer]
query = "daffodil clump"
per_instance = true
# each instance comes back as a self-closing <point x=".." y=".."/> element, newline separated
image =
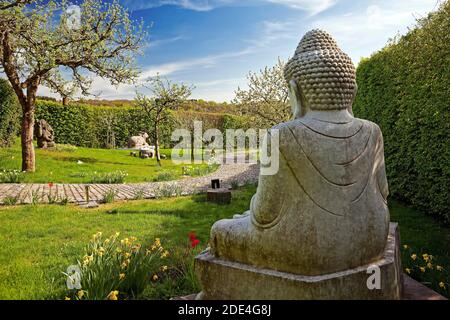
<point x="11" y="176"/>
<point x="114" y="268"/>
<point x="425" y="268"/>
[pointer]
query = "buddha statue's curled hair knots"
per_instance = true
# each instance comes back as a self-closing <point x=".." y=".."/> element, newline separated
<point x="324" y="72"/>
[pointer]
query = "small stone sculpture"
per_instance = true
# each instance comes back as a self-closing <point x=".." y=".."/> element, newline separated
<point x="44" y="135"/>
<point x="317" y="226"/>
<point x="147" y="152"/>
<point x="138" y="142"/>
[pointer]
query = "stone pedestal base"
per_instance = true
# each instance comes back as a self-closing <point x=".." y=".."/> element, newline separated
<point x="227" y="280"/>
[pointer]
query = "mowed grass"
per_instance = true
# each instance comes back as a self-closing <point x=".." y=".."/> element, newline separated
<point x="40" y="242"/>
<point x="64" y="167"/>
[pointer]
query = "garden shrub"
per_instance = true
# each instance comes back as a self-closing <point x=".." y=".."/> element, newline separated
<point x="9" y="114"/>
<point x="405" y="89"/>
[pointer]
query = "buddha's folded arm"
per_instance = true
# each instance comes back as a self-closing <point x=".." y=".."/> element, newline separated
<point x="266" y="205"/>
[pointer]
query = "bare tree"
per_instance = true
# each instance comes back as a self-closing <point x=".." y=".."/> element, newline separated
<point x="266" y="101"/>
<point x="167" y="96"/>
<point x="53" y="43"/>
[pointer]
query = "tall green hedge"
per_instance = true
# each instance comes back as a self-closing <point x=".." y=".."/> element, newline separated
<point x="93" y="126"/>
<point x="405" y="88"/>
<point x="9" y="114"/>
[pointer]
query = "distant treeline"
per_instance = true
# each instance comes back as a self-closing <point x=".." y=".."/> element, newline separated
<point x="197" y="105"/>
<point x="106" y="127"/>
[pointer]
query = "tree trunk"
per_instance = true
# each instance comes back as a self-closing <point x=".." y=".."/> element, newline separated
<point x="28" y="156"/>
<point x="158" y="156"/>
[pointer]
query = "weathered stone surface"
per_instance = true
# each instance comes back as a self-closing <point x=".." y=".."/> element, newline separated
<point x="325" y="210"/>
<point x="227" y="280"/>
<point x="44" y="135"/>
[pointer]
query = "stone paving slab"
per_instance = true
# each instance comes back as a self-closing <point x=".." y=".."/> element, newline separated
<point x="75" y="193"/>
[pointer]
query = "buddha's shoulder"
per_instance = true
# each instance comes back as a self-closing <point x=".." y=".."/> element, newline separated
<point x="356" y="126"/>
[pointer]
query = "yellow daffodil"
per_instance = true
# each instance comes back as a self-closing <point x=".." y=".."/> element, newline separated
<point x="414" y="256"/>
<point x="164" y="268"/>
<point x="126" y="255"/>
<point x="422" y="269"/>
<point x="101" y="251"/>
<point x="122" y="276"/>
<point x="107" y="241"/>
<point x="405" y="246"/>
<point x="66" y="298"/>
<point x="155" y="277"/>
<point x="429" y="265"/>
<point x="97" y="235"/>
<point x="117" y="234"/>
<point x="165" y="254"/>
<point x="88" y="259"/>
<point x="158" y="242"/>
<point x="425" y="257"/>
<point x="442" y="285"/>
<point x="439" y="268"/>
<point x="408" y="271"/>
<point x="80" y="294"/>
<point x="118" y="250"/>
<point x="113" y="295"/>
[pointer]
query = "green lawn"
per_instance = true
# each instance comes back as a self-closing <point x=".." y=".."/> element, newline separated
<point x="39" y="242"/>
<point x="62" y="166"/>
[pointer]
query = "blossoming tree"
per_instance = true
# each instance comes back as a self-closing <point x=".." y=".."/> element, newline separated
<point x="55" y="44"/>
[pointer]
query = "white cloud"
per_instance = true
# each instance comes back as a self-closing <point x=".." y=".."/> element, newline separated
<point x="311" y="6"/>
<point x="161" y="42"/>
<point x="171" y="68"/>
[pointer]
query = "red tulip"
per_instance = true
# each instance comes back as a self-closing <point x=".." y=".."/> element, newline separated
<point x="50" y="184"/>
<point x="192" y="236"/>
<point x="194" y="243"/>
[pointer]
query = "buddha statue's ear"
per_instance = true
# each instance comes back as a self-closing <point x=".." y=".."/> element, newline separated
<point x="350" y="108"/>
<point x="297" y="102"/>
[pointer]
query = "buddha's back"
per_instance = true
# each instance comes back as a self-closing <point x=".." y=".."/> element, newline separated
<point x="332" y="191"/>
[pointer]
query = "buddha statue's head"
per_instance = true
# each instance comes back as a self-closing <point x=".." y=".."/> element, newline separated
<point x="320" y="75"/>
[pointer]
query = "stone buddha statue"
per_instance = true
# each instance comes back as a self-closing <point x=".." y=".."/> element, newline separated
<point x="325" y="211"/>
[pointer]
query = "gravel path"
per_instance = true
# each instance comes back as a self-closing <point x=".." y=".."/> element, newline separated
<point x="75" y="193"/>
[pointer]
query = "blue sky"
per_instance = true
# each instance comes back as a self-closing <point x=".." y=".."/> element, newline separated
<point x="213" y="44"/>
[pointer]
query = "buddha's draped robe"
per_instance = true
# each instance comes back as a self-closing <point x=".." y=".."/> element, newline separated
<point x="324" y="211"/>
